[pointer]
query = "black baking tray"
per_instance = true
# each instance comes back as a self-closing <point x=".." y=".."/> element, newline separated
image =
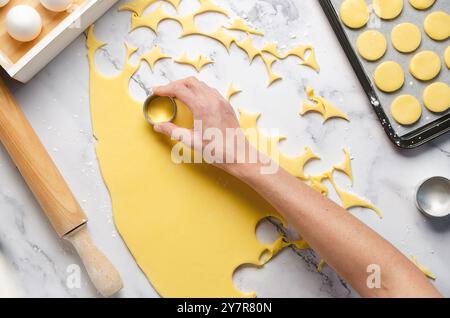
<point x="413" y="139"/>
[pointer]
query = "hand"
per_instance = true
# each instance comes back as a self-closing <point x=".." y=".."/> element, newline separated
<point x="215" y="115"/>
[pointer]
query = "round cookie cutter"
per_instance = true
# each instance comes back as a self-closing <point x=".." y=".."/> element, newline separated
<point x="151" y="98"/>
<point x="433" y="197"/>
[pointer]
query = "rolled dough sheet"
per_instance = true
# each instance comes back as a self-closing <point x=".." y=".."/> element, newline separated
<point x="354" y="13"/>
<point x="388" y="9"/>
<point x="190" y="226"/>
<point x="422" y="4"/>
<point x="371" y="45"/>
<point x="437" y="25"/>
<point x="406" y="109"/>
<point x="425" y="65"/>
<point x="436" y="97"/>
<point x="406" y="37"/>
<point x="389" y="76"/>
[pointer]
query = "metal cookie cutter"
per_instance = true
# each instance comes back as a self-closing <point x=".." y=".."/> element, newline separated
<point x="433" y="197"/>
<point x="151" y="98"/>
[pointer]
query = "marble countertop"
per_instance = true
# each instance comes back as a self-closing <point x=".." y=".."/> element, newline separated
<point x="56" y="102"/>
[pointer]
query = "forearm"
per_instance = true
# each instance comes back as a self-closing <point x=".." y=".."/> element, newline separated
<point x="345" y="243"/>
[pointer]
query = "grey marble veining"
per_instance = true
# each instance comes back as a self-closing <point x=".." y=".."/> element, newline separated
<point x="56" y="102"/>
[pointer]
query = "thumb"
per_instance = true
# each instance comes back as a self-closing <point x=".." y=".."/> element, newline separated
<point x="175" y="132"/>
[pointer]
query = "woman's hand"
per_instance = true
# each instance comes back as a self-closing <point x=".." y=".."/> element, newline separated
<point x="216" y="118"/>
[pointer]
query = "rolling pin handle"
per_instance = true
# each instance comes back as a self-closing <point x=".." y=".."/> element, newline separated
<point x="101" y="271"/>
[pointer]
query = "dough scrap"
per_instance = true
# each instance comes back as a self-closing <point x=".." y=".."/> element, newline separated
<point x="389" y="76"/>
<point x="406" y="37"/>
<point x="372" y="45"/>
<point x="350" y="200"/>
<point x="198" y="63"/>
<point x="139" y="6"/>
<point x="346" y="165"/>
<point x="354" y="13"/>
<point x="232" y="91"/>
<point x="437" y="25"/>
<point x="268" y="62"/>
<point x="428" y="273"/>
<point x="425" y="65"/>
<point x="436" y="97"/>
<point x="322" y="106"/>
<point x="248" y="47"/>
<point x="447" y="57"/>
<point x="153" y="56"/>
<point x="406" y="110"/>
<point x="388" y="9"/>
<point x="422" y="4"/>
<point x="240" y="25"/>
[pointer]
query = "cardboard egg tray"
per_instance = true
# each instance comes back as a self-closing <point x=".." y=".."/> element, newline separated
<point x="22" y="60"/>
<point x="431" y="125"/>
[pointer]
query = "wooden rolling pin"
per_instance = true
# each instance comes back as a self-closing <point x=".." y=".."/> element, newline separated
<point x="52" y="192"/>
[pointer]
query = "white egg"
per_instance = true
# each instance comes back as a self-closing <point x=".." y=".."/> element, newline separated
<point x="3" y="3"/>
<point x="23" y="23"/>
<point x="56" y="5"/>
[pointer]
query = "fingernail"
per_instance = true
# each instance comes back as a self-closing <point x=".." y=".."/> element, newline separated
<point x="157" y="128"/>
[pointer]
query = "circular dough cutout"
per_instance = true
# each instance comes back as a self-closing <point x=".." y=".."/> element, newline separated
<point x="388" y="9"/>
<point x="437" y="25"/>
<point x="389" y="76"/>
<point x="354" y="13"/>
<point x="371" y="45"/>
<point x="447" y="57"/>
<point x="422" y="4"/>
<point x="436" y="97"/>
<point x="425" y="65"/>
<point x="406" y="37"/>
<point x="406" y="110"/>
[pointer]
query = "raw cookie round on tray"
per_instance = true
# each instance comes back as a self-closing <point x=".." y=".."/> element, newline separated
<point x="406" y="37"/>
<point x="425" y="65"/>
<point x="436" y="97"/>
<point x="388" y="9"/>
<point x="389" y="76"/>
<point x="371" y="45"/>
<point x="354" y="13"/>
<point x="406" y="110"/>
<point x="422" y="4"/>
<point x="437" y="25"/>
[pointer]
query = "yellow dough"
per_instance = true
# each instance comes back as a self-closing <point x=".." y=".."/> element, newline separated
<point x="425" y="65"/>
<point x="322" y="106"/>
<point x="232" y="91"/>
<point x="406" y="37"/>
<point x="371" y="45"/>
<point x="198" y="63"/>
<point x="153" y="56"/>
<point x="345" y="166"/>
<point x="388" y="9"/>
<point x="436" y="97"/>
<point x="406" y="110"/>
<point x="138" y="6"/>
<point x="240" y="25"/>
<point x="422" y="4"/>
<point x="354" y="13"/>
<point x="447" y="57"/>
<point x="428" y="273"/>
<point x="437" y="25"/>
<point x="389" y="76"/>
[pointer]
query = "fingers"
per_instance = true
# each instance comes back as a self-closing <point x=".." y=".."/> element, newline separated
<point x="176" y="133"/>
<point x="185" y="90"/>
